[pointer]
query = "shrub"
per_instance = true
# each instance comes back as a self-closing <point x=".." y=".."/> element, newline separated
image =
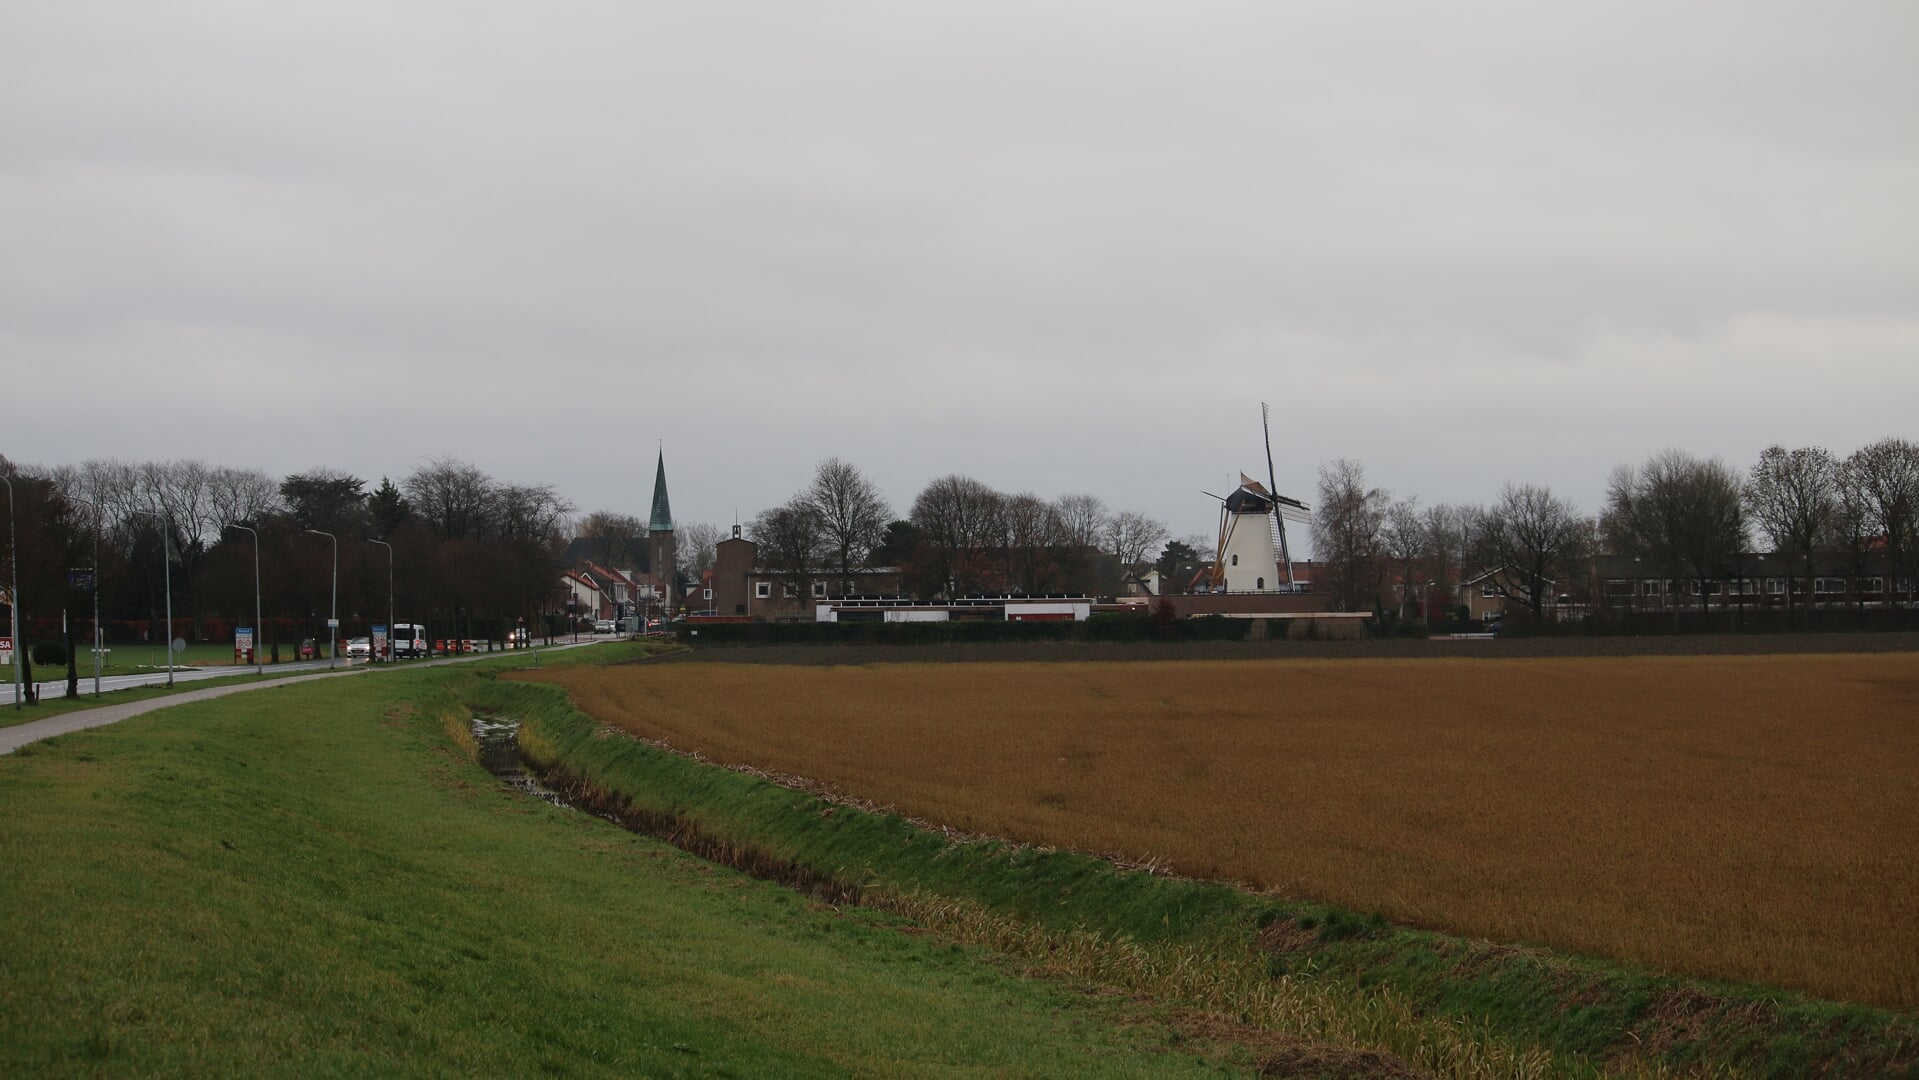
<point x="49" y="653"/>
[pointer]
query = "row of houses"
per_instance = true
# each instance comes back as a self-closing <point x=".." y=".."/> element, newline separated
<point x="1754" y="580"/>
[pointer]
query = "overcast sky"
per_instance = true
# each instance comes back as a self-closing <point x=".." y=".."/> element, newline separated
<point x="1057" y="247"/>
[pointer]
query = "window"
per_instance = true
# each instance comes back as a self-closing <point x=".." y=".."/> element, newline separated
<point x="1872" y="585"/>
<point x="819" y="588"/>
<point x="1773" y="587"/>
<point x="706" y="594"/>
<point x="792" y="590"/>
<point x="762" y="589"/>
<point x="1259" y="583"/>
<point x="1235" y="560"/>
<point x="1489" y="590"/>
<point x="1618" y="587"/>
<point x="1829" y="586"/>
<point x="1652" y="588"/>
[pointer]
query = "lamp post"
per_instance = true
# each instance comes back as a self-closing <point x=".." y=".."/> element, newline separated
<point x="13" y="598"/>
<point x="166" y="561"/>
<point x="259" y="666"/>
<point x="333" y="617"/>
<point x="95" y="590"/>
<point x="389" y="596"/>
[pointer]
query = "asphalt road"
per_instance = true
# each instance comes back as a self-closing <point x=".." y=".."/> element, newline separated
<point x="12" y="738"/>
<point x="57" y="685"/>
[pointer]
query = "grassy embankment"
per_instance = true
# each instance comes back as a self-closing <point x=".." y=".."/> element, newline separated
<point x="318" y="879"/>
<point x="1577" y="1010"/>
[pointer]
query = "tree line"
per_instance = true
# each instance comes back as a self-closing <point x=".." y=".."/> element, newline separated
<point x="960" y="536"/>
<point x="465" y="552"/>
<point x="1686" y="518"/>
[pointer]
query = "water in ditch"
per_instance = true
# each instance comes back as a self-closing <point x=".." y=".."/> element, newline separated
<point x="499" y="742"/>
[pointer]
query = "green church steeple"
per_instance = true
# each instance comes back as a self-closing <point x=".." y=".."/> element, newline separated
<point x="662" y="519"/>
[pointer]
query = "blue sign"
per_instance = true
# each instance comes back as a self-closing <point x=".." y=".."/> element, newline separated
<point x="80" y="579"/>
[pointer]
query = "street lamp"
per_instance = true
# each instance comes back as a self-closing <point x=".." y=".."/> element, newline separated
<point x="166" y="560"/>
<point x="259" y="666"/>
<point x="389" y="596"/>
<point x="95" y="590"/>
<point x="13" y="598"/>
<point x="333" y="620"/>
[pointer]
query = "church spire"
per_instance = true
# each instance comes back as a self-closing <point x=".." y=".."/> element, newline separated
<point x="662" y="519"/>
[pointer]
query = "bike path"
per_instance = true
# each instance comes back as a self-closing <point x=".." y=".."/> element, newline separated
<point x="13" y="738"/>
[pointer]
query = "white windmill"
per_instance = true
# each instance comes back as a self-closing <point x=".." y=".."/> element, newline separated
<point x="1253" y="554"/>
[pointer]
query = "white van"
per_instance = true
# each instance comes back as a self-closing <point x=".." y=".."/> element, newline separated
<point x="407" y="639"/>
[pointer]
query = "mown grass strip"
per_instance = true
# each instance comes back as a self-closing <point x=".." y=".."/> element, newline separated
<point x="316" y="879"/>
<point x="1584" y="1016"/>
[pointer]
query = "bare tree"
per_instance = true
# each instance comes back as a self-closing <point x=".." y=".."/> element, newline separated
<point x="1084" y="519"/>
<point x="792" y="542"/>
<point x="242" y="494"/>
<point x="620" y="539"/>
<point x="1793" y="497"/>
<point x="528" y="515"/>
<point x="1131" y="534"/>
<point x="1446" y="529"/>
<point x="1535" y="538"/>
<point x="1854" y="531"/>
<point x="1680" y="513"/>
<point x="852" y="511"/>
<point x="453" y="497"/>
<point x="1346" y="534"/>
<point x="1033" y="538"/>
<point x="1404" y="538"/>
<point x="1887" y="475"/>
<point x="957" y="517"/>
<point x="697" y="544"/>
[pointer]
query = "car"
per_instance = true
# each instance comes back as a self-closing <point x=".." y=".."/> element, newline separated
<point x="605" y="626"/>
<point x="359" y="648"/>
<point x="516" y="638"/>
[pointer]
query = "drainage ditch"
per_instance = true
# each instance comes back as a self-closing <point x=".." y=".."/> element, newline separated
<point x="498" y="739"/>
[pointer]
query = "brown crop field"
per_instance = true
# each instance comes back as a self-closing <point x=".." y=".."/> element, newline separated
<point x="1750" y="817"/>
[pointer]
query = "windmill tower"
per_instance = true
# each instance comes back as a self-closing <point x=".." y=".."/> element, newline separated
<point x="1253" y="554"/>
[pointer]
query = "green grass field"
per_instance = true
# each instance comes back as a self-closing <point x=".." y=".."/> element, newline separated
<point x="319" y="879"/>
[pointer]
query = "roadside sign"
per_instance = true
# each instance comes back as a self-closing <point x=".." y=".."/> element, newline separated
<point x="179" y="644"/>
<point x="243" y="645"/>
<point x="6" y="650"/>
<point x="80" y="578"/>
<point x="377" y="646"/>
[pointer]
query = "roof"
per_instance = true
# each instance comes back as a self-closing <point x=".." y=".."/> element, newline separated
<point x="662" y="516"/>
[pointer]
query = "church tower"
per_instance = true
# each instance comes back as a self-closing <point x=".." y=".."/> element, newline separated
<point x="659" y="536"/>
